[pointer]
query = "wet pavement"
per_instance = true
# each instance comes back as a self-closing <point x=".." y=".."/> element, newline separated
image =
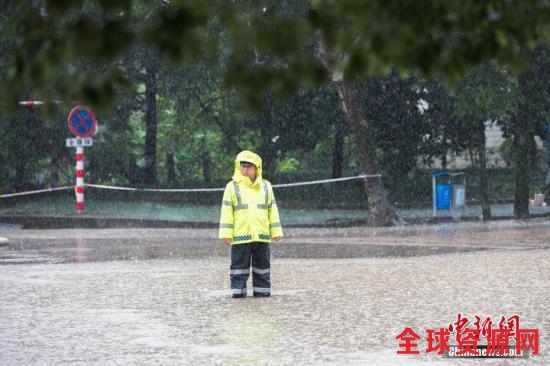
<point x="340" y="296"/>
<point x="60" y="213"/>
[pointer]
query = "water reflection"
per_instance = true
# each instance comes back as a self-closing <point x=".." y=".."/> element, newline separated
<point x="80" y="253"/>
<point x="323" y="311"/>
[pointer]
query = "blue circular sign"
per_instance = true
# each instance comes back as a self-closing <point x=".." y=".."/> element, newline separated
<point x="82" y="121"/>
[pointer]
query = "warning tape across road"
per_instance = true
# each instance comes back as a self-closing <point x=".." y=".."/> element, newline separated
<point x="36" y="192"/>
<point x="282" y="185"/>
<point x="362" y="176"/>
<point x="101" y="186"/>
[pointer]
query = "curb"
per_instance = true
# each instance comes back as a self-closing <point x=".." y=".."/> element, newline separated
<point x="89" y="222"/>
<point x="416" y="225"/>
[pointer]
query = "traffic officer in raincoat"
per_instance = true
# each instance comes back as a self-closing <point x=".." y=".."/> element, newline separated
<point x="249" y="221"/>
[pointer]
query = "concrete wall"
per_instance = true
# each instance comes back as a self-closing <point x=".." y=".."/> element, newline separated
<point x="494" y="139"/>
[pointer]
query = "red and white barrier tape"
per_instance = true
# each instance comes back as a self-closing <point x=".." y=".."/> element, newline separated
<point x="282" y="185"/>
<point x="331" y="180"/>
<point x="101" y="186"/>
<point x="35" y="192"/>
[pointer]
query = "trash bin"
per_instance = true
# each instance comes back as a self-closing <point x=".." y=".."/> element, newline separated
<point x="446" y="195"/>
<point x="459" y="196"/>
<point x="443" y="196"/>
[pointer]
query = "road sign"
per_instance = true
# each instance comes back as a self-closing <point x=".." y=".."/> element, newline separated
<point x="82" y="122"/>
<point x="74" y="142"/>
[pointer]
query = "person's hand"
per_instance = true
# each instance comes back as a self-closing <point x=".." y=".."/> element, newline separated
<point x="276" y="238"/>
<point x="227" y="241"/>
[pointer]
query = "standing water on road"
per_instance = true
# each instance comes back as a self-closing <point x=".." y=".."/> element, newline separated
<point x="322" y="312"/>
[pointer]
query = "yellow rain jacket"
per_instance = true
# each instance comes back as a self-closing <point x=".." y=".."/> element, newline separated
<point x="249" y="213"/>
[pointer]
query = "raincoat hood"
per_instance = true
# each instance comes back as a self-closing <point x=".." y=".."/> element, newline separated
<point x="250" y="157"/>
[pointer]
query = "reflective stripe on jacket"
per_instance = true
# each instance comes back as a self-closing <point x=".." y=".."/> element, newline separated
<point x="249" y="212"/>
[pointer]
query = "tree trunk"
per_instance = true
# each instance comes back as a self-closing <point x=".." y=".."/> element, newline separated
<point x="171" y="163"/>
<point x="522" y="155"/>
<point x="267" y="148"/>
<point x="20" y="181"/>
<point x="54" y="171"/>
<point x="483" y="179"/>
<point x="205" y="161"/>
<point x="135" y="173"/>
<point x="338" y="152"/>
<point x="170" y="169"/>
<point x="150" y="124"/>
<point x="380" y="211"/>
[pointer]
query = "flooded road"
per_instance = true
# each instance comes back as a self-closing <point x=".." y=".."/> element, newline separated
<point x="324" y="311"/>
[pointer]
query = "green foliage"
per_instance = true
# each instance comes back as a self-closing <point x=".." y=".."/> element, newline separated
<point x="208" y="55"/>
<point x="391" y="107"/>
<point x="506" y="151"/>
<point x="435" y="103"/>
<point x="534" y="88"/>
<point x="288" y="165"/>
<point x="433" y="37"/>
<point x="411" y="122"/>
<point x="439" y="38"/>
<point x="485" y="94"/>
<point x="287" y="129"/>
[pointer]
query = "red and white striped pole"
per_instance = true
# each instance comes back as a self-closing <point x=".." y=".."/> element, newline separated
<point x="79" y="188"/>
<point x="82" y="123"/>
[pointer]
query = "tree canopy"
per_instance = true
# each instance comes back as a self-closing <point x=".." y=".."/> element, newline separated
<point x="441" y="38"/>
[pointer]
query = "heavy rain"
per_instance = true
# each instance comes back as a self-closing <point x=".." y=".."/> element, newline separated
<point x="395" y="160"/>
<point x="160" y="296"/>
